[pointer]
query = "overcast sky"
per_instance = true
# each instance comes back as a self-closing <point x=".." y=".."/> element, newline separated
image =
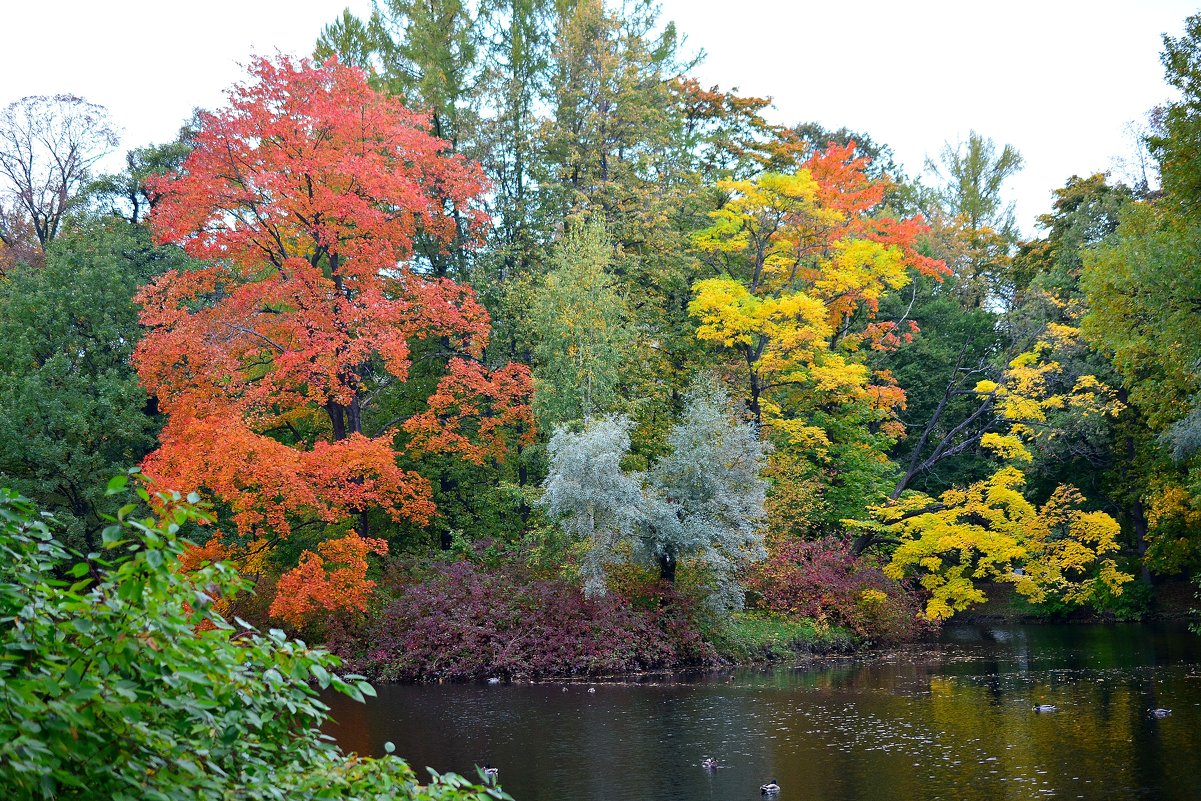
<point x="1058" y="79"/>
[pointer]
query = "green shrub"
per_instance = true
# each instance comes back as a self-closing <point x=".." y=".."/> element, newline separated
<point x="1133" y="605"/>
<point x="123" y="682"/>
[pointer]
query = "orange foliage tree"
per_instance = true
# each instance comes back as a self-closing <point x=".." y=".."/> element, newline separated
<point x="302" y="201"/>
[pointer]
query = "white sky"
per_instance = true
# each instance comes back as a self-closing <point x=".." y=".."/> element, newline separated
<point x="1058" y="79"/>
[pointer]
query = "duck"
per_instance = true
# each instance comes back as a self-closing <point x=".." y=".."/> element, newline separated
<point x="771" y="788"/>
<point x="490" y="773"/>
<point x="709" y="763"/>
<point x="1159" y="713"/>
<point x="1045" y="708"/>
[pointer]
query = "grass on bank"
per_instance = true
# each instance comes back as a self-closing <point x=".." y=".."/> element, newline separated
<point x="765" y="637"/>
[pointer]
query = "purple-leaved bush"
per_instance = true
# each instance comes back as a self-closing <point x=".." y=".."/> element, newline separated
<point x="461" y="621"/>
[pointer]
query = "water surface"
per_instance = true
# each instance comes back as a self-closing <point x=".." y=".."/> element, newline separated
<point x="946" y="720"/>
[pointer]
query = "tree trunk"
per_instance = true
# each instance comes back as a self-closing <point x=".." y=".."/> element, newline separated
<point x="337" y="417"/>
<point x="446" y="485"/>
<point x="1139" y="517"/>
<point x="347" y="419"/>
<point x="667" y="568"/>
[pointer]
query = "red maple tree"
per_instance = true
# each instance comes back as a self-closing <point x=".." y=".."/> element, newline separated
<point x="303" y="200"/>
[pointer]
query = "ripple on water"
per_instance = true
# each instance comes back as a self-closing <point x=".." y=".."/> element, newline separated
<point x="936" y="722"/>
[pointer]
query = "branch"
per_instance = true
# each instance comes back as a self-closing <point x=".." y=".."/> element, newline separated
<point x="244" y="330"/>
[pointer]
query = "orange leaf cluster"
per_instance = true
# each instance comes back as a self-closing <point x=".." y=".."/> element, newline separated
<point x="844" y="186"/>
<point x="266" y="483"/>
<point x="332" y="580"/>
<point x="473" y="412"/>
<point x="308" y="159"/>
<point x="196" y="556"/>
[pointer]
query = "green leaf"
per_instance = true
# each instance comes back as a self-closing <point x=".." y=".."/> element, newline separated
<point x="111" y="536"/>
<point x="321" y="674"/>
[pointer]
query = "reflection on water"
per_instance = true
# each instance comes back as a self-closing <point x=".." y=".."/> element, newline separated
<point x="952" y="720"/>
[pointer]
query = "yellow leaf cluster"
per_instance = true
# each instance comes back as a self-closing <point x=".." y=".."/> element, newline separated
<point x="1006" y="446"/>
<point x="989" y="532"/>
<point x="729" y="314"/>
<point x="1026" y="396"/>
<point x="1173" y="518"/>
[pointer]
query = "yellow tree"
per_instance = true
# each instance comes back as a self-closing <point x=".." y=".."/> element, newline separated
<point x="989" y="531"/>
<point x="803" y="260"/>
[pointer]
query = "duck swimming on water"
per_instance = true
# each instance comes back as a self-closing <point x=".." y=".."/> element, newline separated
<point x="1045" y="708"/>
<point x="1159" y="713"/>
<point x="709" y="763"/>
<point x="491" y="773"/>
<point x="770" y="789"/>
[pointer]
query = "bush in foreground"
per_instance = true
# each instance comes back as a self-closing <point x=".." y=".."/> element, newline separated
<point x="122" y="682"/>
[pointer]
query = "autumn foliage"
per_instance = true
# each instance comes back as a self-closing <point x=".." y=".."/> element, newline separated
<point x="461" y="622"/>
<point x="989" y="531"/>
<point x="304" y="201"/>
<point x="823" y="580"/>
<point x="331" y="580"/>
<point x="804" y="262"/>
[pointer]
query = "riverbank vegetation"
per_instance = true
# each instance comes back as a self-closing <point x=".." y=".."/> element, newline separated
<point x="123" y="681"/>
<point x="501" y="347"/>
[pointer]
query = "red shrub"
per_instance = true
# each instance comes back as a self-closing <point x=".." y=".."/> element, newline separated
<point x="823" y="580"/>
<point x="461" y="622"/>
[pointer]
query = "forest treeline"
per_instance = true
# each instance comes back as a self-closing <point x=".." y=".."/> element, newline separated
<point x="497" y="344"/>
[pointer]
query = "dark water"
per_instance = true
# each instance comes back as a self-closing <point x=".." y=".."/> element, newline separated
<point x="951" y="720"/>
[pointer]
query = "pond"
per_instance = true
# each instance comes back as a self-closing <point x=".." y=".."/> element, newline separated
<point x="947" y="720"/>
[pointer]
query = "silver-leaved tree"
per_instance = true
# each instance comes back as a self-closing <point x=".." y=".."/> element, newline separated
<point x="593" y="500"/>
<point x="702" y="502"/>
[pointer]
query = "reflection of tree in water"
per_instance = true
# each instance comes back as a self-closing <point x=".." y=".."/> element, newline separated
<point x="950" y="721"/>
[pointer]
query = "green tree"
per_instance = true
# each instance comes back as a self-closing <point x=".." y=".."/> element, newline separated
<point x="944" y="418"/>
<point x="71" y="410"/>
<point x="975" y="227"/>
<point x="1143" y="289"/>
<point x="126" y="194"/>
<point x="971" y="175"/>
<point x="518" y="36"/>
<point x="1177" y="142"/>
<point x="615" y="145"/>
<point x="580" y="331"/>
<point x="1084" y="214"/>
